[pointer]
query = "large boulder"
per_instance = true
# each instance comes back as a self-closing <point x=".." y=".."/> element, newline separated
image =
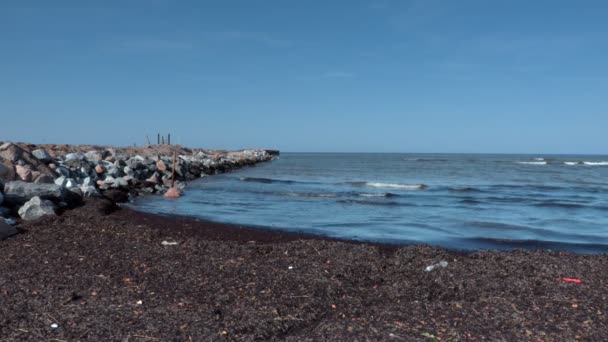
<point x="6" y="230"/>
<point x="42" y="155"/>
<point x="74" y="156"/>
<point x="11" y="152"/>
<point x="36" y="208"/>
<point x="7" y="171"/>
<point x="18" y="192"/>
<point x="94" y="156"/>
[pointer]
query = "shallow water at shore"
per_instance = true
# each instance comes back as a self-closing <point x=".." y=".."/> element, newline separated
<point x="453" y="200"/>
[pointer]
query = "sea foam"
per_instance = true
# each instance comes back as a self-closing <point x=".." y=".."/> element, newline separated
<point x="532" y="162"/>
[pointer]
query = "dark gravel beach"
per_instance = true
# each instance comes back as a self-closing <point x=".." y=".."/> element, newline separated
<point x="99" y="274"/>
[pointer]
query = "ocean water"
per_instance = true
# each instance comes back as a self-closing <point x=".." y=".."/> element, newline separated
<point x="459" y="201"/>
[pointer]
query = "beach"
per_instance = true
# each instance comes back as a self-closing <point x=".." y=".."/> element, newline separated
<point x="99" y="272"/>
<point x="86" y="266"/>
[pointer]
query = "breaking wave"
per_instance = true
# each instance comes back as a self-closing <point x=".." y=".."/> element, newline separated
<point x="390" y="185"/>
<point x="532" y="162"/>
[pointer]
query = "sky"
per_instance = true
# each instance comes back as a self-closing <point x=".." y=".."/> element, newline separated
<point x="342" y="76"/>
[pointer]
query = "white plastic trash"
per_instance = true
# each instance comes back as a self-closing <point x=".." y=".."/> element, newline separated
<point x="442" y="264"/>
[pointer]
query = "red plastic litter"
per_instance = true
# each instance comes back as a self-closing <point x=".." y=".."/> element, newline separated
<point x="572" y="280"/>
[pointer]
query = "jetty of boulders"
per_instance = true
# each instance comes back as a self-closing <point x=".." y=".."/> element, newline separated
<point x="37" y="180"/>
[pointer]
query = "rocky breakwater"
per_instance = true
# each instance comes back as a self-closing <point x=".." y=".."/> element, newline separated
<point x="40" y="179"/>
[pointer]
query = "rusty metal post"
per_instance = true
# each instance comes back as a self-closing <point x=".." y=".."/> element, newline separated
<point x="173" y="171"/>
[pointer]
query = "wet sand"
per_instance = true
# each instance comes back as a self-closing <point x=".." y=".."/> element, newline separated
<point x="104" y="275"/>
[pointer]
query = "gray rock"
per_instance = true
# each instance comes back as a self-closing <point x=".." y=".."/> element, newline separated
<point x="120" y="163"/>
<point x="44" y="179"/>
<point x="147" y="190"/>
<point x="110" y="168"/>
<point x="10" y="222"/>
<point x="70" y="183"/>
<point x="147" y="162"/>
<point x="86" y="169"/>
<point x="7" y="171"/>
<point x="134" y="164"/>
<point x="76" y="191"/>
<point x="88" y="181"/>
<point x="93" y="156"/>
<point x="62" y="171"/>
<point x="109" y="180"/>
<point x="128" y="171"/>
<point x="42" y="155"/>
<point x="4" y="211"/>
<point x="18" y="192"/>
<point x="89" y="190"/>
<point x="61" y="181"/>
<point x="6" y="230"/>
<point x="1" y="198"/>
<point x="73" y="156"/>
<point x="36" y="208"/>
<point x="120" y="182"/>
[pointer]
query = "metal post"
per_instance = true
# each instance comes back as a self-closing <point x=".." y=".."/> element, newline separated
<point x="173" y="171"/>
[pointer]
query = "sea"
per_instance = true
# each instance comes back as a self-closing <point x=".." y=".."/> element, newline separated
<point x="458" y="201"/>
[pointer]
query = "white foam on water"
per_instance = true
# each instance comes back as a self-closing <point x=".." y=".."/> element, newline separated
<point x="396" y="186"/>
<point x="602" y="163"/>
<point x="533" y="163"/>
<point x="374" y="195"/>
<point x="571" y="163"/>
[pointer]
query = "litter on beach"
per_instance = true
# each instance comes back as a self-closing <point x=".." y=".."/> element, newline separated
<point x="571" y="280"/>
<point x="441" y="264"/>
<point x="167" y="243"/>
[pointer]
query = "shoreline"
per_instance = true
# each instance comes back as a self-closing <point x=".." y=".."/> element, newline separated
<point x="102" y="271"/>
<point x="105" y="273"/>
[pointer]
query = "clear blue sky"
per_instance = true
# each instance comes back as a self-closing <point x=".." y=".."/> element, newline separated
<point x="375" y="75"/>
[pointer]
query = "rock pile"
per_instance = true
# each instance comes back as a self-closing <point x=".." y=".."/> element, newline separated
<point x="62" y="174"/>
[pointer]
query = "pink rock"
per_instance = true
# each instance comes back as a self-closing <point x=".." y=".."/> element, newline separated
<point x="24" y="173"/>
<point x="153" y="179"/>
<point x="172" y="193"/>
<point x="99" y="169"/>
<point x="160" y="165"/>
